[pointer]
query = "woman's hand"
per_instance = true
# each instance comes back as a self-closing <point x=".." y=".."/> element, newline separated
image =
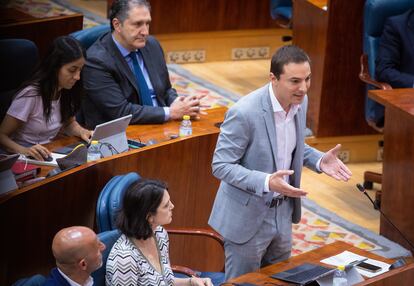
<point x="195" y="281"/>
<point x="85" y="134"/>
<point x="37" y="151"/>
<point x="72" y="128"/>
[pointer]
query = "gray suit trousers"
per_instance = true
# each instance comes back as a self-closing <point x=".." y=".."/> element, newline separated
<point x="272" y="243"/>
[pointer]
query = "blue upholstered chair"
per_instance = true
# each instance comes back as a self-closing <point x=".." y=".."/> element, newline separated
<point x="18" y="58"/>
<point x="35" y="280"/>
<point x="375" y="14"/>
<point x="281" y="10"/>
<point x="109" y="202"/>
<point x="105" y="216"/>
<point x="108" y="238"/>
<point x="88" y="36"/>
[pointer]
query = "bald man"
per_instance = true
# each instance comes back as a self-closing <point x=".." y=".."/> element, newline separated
<point x="78" y="252"/>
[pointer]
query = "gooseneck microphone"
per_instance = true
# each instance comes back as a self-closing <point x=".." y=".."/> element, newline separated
<point x="362" y="190"/>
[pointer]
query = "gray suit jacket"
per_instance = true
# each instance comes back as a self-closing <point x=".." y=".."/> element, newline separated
<point x="245" y="154"/>
<point x="111" y="87"/>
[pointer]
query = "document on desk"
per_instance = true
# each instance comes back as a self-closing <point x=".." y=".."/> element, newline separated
<point x="347" y="257"/>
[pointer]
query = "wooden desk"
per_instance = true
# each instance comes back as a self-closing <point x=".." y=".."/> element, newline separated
<point x="398" y="162"/>
<point x="11" y="15"/>
<point x="42" y="31"/>
<point x="30" y="217"/>
<point x="404" y="275"/>
<point x="333" y="40"/>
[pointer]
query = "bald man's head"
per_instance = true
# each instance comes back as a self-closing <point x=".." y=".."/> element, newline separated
<point x="77" y="248"/>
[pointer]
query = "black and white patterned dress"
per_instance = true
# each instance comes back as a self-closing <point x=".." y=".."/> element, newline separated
<point x="127" y="266"/>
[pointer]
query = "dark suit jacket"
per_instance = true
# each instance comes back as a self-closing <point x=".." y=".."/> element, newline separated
<point x="111" y="87"/>
<point x="56" y="279"/>
<point x="395" y="58"/>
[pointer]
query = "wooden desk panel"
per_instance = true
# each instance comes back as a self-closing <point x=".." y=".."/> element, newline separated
<point x="404" y="275"/>
<point x="398" y="162"/>
<point x="30" y="217"/>
<point x="186" y="16"/>
<point x="41" y="31"/>
<point x="333" y="40"/>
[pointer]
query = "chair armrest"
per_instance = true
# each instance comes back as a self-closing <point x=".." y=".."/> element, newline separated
<point x="184" y="270"/>
<point x="197" y="232"/>
<point x="366" y="77"/>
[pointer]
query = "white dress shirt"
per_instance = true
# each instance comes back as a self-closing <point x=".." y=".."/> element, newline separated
<point x="125" y="53"/>
<point x="89" y="282"/>
<point x="286" y="136"/>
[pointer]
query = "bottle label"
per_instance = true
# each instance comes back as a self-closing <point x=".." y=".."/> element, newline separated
<point x="93" y="157"/>
<point x="185" y="131"/>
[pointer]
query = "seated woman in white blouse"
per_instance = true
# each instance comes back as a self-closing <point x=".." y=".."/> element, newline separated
<point x="46" y="103"/>
<point x="140" y="255"/>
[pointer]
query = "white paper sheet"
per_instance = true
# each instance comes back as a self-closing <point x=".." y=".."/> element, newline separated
<point x="348" y="257"/>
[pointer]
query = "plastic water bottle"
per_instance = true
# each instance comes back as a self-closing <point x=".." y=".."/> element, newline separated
<point x="93" y="151"/>
<point x="185" y="127"/>
<point x="339" y="278"/>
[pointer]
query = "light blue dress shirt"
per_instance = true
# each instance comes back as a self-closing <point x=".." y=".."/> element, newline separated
<point x="125" y="53"/>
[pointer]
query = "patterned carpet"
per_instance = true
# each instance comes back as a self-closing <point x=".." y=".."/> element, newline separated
<point x="186" y="83"/>
<point x="47" y="8"/>
<point x="318" y="225"/>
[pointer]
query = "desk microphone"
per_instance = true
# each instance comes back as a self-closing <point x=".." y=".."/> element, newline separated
<point x="362" y="190"/>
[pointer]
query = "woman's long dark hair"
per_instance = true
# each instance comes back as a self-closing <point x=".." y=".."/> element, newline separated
<point x="64" y="50"/>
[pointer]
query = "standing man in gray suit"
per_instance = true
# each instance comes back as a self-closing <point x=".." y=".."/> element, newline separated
<point x="258" y="158"/>
<point x="126" y="73"/>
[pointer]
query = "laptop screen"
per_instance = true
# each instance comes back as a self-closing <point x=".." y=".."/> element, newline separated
<point x="112" y="135"/>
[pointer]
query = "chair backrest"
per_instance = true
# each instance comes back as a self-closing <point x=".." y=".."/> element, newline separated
<point x="18" y="58"/>
<point x="110" y="200"/>
<point x="35" y="280"/>
<point x="88" y="36"/>
<point x="102" y="219"/>
<point x="376" y="13"/>
<point x="281" y="8"/>
<point x="108" y="238"/>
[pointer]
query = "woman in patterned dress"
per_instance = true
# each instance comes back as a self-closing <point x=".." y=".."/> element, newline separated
<point x="140" y="255"/>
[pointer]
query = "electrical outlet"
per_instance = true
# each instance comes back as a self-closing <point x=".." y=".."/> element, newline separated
<point x="250" y="53"/>
<point x="344" y="156"/>
<point x="190" y="56"/>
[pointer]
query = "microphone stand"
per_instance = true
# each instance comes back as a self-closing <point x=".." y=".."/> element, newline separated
<point x="362" y="190"/>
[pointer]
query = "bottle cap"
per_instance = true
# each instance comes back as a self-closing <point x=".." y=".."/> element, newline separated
<point x="341" y="267"/>
<point x="94" y="142"/>
<point x="186" y="117"/>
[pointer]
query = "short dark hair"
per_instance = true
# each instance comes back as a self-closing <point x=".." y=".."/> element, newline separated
<point x="286" y="55"/>
<point x="140" y="200"/>
<point x="120" y="8"/>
